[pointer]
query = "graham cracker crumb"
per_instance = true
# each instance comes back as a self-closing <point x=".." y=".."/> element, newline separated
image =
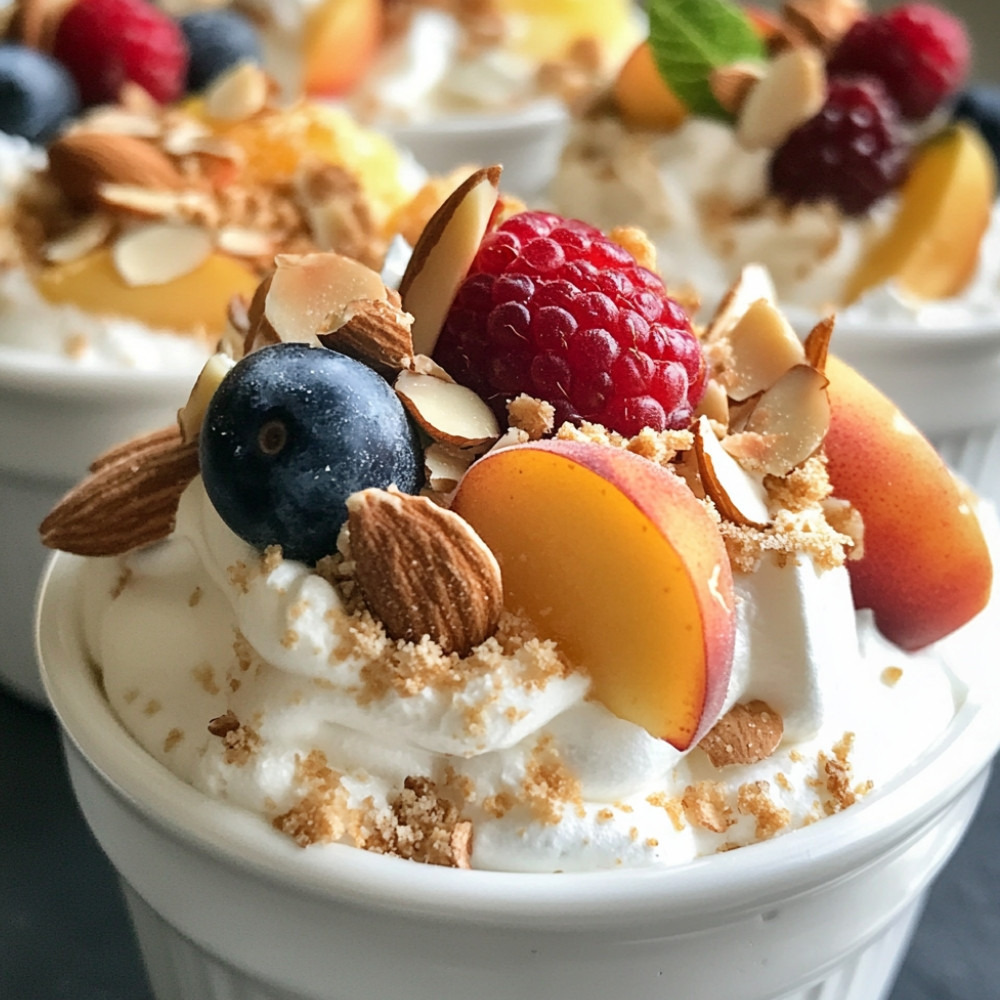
<point x="76" y="345"/>
<point x="535" y="417"/>
<point x="705" y="806"/>
<point x="752" y="799"/>
<point x="891" y="676"/>
<point x="673" y="806"/>
<point x="290" y="638"/>
<point x="637" y="243"/>
<point x="173" y="738"/>
<point x="124" y="578"/>
<point x="204" y="675"/>
<point x="661" y="447"/>
<point x="320" y="816"/>
<point x="195" y="597"/>
<point x="549" y="785"/>
<point x="240" y="740"/>
<point x="152" y="707"/>
<point x="130" y="695"/>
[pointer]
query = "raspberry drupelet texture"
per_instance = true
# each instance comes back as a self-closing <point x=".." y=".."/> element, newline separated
<point x="852" y="152"/>
<point x="919" y="52"/>
<point x="105" y="43"/>
<point x="553" y="308"/>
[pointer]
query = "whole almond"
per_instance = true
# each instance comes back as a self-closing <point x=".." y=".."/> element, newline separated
<point x="80" y="162"/>
<point x="423" y="570"/>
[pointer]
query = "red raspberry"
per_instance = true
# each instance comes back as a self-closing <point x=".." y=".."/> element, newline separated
<point x="552" y="308"/>
<point x="852" y="152"/>
<point x="104" y="43"/>
<point x="920" y="53"/>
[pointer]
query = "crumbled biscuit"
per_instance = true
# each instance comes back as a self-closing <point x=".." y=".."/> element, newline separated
<point x="705" y="806"/>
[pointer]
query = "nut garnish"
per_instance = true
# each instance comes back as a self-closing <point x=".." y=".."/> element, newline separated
<point x="192" y="414"/>
<point x="738" y="496"/>
<point x="237" y="94"/>
<point x="744" y="735"/>
<point x="822" y="22"/>
<point x="129" y="499"/>
<point x="160" y="252"/>
<point x="763" y="347"/>
<point x="79" y="162"/>
<point x="423" y="571"/>
<point x="730" y="85"/>
<point x="447" y="411"/>
<point x="374" y="331"/>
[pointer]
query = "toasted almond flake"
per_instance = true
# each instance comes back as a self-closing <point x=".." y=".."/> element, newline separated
<point x="791" y="92"/>
<point x="794" y="416"/>
<point x="182" y="136"/>
<point x="444" y="466"/>
<point x="112" y="119"/>
<point x="242" y="242"/>
<point x="423" y="570"/>
<point x="146" y="203"/>
<point x="817" y="343"/>
<point x="423" y="365"/>
<point x="739" y="497"/>
<point x="753" y="283"/>
<point x="81" y="239"/>
<point x="310" y="294"/>
<point x="237" y="94"/>
<point x="160" y="252"/>
<point x="714" y="404"/>
<point x="744" y="735"/>
<point x="763" y="347"/>
<point x="129" y="499"/>
<point x="731" y="84"/>
<point x="444" y="252"/>
<point x="447" y="411"/>
<point x="375" y="331"/>
<point x="191" y="415"/>
<point x="822" y="22"/>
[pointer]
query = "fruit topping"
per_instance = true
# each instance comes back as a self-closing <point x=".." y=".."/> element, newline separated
<point x="554" y="309"/>
<point x="217" y="40"/>
<point x="919" y="52"/>
<point x="37" y="94"/>
<point x="642" y="96"/>
<point x="341" y="39"/>
<point x="852" y="152"/>
<point x="106" y="43"/>
<point x="291" y="432"/>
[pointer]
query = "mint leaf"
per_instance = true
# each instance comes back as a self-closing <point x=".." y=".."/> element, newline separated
<point x="690" y="38"/>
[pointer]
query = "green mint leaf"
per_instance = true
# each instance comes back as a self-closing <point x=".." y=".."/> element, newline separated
<point x="690" y="38"/>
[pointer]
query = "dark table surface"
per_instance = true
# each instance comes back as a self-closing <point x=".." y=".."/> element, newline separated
<point x="64" y="934"/>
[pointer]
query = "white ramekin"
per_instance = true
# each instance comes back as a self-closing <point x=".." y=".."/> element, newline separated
<point x="527" y="142"/>
<point x="226" y="908"/>
<point x="56" y="418"/>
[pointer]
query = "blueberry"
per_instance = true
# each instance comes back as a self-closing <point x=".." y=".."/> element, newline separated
<point x="217" y="40"/>
<point x="290" y="433"/>
<point x="37" y="94"/>
<point x="980" y="106"/>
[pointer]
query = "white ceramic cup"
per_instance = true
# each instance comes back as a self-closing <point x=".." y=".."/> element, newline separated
<point x="526" y="142"/>
<point x="55" y="419"/>
<point x="226" y="908"/>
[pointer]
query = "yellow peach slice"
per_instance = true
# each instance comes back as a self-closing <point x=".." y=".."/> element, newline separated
<point x="341" y="39"/>
<point x="642" y="96"/>
<point x="932" y="246"/>
<point x="613" y="557"/>
<point x="193" y="303"/>
<point x="543" y="31"/>
<point x="925" y="569"/>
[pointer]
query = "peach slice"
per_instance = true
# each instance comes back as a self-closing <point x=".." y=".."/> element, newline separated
<point x="194" y="302"/>
<point x="613" y="557"/>
<point x="642" y="96"/>
<point x="932" y="246"/>
<point x="341" y="40"/>
<point x="925" y="569"/>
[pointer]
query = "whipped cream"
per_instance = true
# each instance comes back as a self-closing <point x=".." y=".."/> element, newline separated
<point x="702" y="198"/>
<point x="333" y="718"/>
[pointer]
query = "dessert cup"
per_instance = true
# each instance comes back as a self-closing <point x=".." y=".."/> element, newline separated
<point x="226" y="907"/>
<point x="56" y="417"/>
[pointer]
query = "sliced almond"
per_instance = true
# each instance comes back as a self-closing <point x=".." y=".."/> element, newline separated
<point x="753" y="283"/>
<point x="242" y="242"/>
<point x="447" y="411"/>
<point x="817" y="343"/>
<point x="763" y="346"/>
<point x="739" y="497"/>
<point x="822" y="22"/>
<point x="444" y="252"/>
<point x="714" y="404"/>
<point x="310" y="294"/>
<point x="744" y="735"/>
<point x="81" y="161"/>
<point x="192" y="414"/>
<point x="129" y="500"/>
<point x="81" y="239"/>
<point x="146" y="203"/>
<point x="444" y="466"/>
<point x="237" y="94"/>
<point x="423" y="571"/>
<point x="374" y="331"/>
<point x="791" y="92"/>
<point x="117" y="120"/>
<point x="160" y="252"/>
<point x="731" y="84"/>
<point x="793" y="416"/>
